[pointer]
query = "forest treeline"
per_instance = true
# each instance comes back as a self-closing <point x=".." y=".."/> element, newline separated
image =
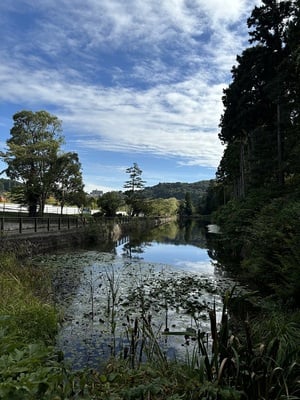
<point x="256" y="197"/>
<point x="162" y="190"/>
<point x="197" y="190"/>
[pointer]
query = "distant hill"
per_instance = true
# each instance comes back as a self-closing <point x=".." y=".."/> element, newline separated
<point x="178" y="190"/>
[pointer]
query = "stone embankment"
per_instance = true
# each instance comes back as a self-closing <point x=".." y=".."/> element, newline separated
<point x="102" y="232"/>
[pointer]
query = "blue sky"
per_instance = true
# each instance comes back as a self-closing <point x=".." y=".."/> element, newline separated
<point x="132" y="80"/>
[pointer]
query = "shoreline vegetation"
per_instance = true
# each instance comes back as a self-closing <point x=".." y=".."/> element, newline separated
<point x="249" y="358"/>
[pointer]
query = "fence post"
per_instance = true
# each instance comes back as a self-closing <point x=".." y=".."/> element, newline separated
<point x="35" y="224"/>
<point x="59" y="223"/>
<point x="20" y="225"/>
<point x="48" y="224"/>
<point x="68" y="223"/>
<point x="2" y="224"/>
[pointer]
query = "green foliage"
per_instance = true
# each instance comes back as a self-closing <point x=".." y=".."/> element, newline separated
<point x="272" y="251"/>
<point x="34" y="158"/>
<point x="260" y="123"/>
<point x="259" y="171"/>
<point x="135" y="181"/>
<point x="260" y="362"/>
<point x="110" y="202"/>
<point x="133" y="195"/>
<point x="257" y="362"/>
<point x="261" y="234"/>
<point x="36" y="372"/>
<point x="161" y="207"/>
<point x="6" y="185"/>
<point x="215" y="197"/>
<point x="235" y="219"/>
<point x="186" y="206"/>
<point x="68" y="189"/>
<point x="30" y="369"/>
<point x="177" y="190"/>
<point x="26" y="316"/>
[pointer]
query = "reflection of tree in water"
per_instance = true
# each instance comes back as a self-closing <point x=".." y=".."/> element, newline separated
<point x="222" y="255"/>
<point x="183" y="232"/>
<point x="132" y="249"/>
<point x="191" y="231"/>
<point x="187" y="228"/>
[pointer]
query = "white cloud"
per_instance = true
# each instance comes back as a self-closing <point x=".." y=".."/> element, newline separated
<point x="177" y="119"/>
<point x="179" y="51"/>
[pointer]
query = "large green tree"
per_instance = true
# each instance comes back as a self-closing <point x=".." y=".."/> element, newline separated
<point x="110" y="202"/>
<point x="35" y="159"/>
<point x="161" y="207"/>
<point x="258" y="105"/>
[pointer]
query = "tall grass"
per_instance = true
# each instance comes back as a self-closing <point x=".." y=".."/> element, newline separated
<point x="260" y="362"/>
<point x="24" y="302"/>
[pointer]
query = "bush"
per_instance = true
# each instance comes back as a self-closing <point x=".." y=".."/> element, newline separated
<point x="272" y="253"/>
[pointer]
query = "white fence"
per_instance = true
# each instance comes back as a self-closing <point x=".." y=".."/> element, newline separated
<point x="49" y="209"/>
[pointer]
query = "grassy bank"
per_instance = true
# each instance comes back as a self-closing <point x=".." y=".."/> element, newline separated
<point x="30" y="367"/>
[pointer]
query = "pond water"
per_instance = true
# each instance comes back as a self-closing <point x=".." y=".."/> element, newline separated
<point x="155" y="289"/>
<point x="181" y="256"/>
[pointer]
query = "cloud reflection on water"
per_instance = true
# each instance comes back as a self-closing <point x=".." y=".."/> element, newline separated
<point x="185" y="257"/>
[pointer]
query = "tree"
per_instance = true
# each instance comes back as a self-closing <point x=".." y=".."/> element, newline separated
<point x="186" y="206"/>
<point x="270" y="23"/>
<point x="69" y="179"/>
<point x="258" y="107"/>
<point x="162" y="207"/>
<point x="134" y="199"/>
<point x="262" y="116"/>
<point x="110" y="202"/>
<point x="34" y="156"/>
<point x="135" y="182"/>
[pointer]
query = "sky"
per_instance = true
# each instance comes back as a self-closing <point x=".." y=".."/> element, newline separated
<point x="133" y="81"/>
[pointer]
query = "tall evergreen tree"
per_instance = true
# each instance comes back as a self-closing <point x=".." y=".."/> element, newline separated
<point x="134" y="185"/>
<point x="135" y="181"/>
<point x="257" y="113"/>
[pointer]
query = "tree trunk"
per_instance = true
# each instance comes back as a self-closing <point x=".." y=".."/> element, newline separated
<point x="32" y="209"/>
<point x="242" y="172"/>
<point x="279" y="149"/>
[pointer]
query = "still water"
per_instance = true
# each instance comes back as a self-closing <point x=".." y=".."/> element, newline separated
<point x="184" y="257"/>
<point x="165" y="279"/>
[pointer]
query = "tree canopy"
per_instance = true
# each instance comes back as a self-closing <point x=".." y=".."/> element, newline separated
<point x="35" y="159"/>
<point x="110" y="202"/>
<point x="135" y="181"/>
<point x="178" y="190"/>
<point x="260" y="123"/>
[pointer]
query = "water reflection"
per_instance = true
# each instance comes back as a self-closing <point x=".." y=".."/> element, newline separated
<point x="180" y="245"/>
<point x="165" y="274"/>
<point x="184" y="257"/>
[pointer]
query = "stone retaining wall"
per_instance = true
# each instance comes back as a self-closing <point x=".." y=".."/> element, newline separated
<point x="102" y="235"/>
